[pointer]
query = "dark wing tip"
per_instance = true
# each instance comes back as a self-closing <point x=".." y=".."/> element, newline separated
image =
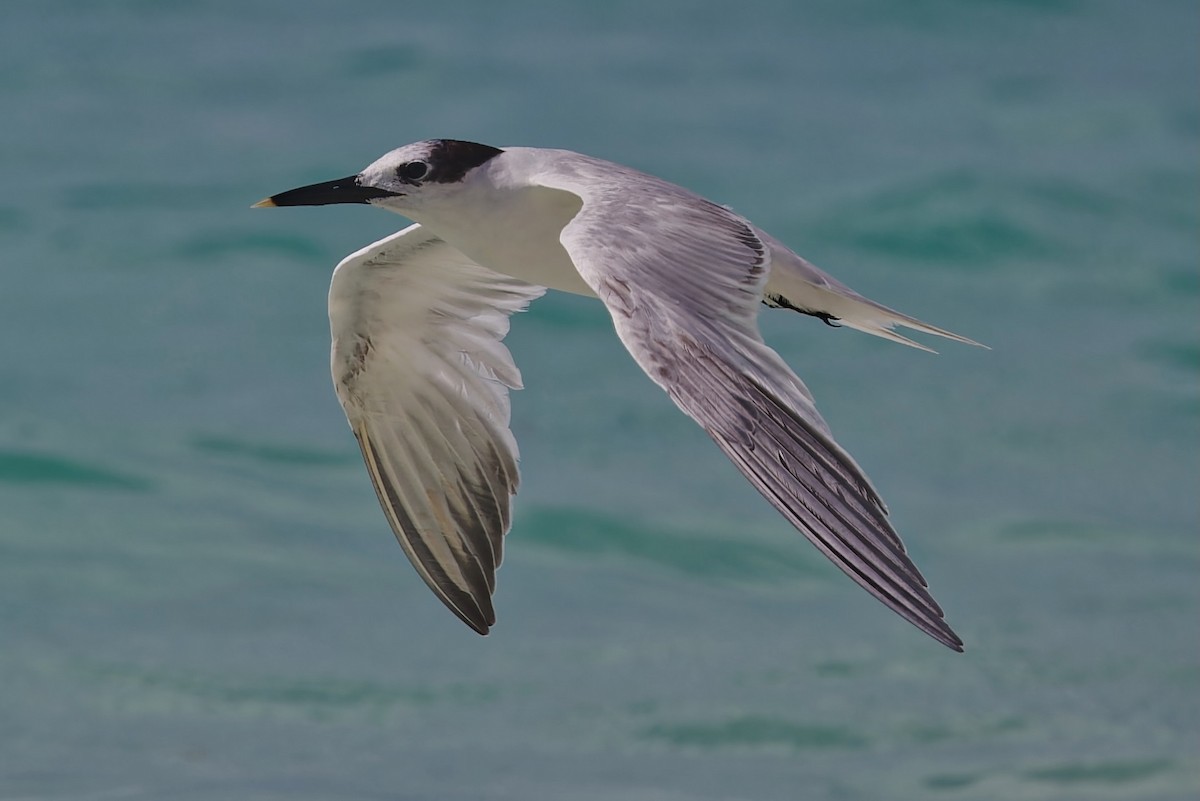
<point x="479" y="619"/>
<point x="472" y="606"/>
<point x="946" y="636"/>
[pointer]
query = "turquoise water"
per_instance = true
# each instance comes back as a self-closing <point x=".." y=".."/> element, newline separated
<point x="199" y="598"/>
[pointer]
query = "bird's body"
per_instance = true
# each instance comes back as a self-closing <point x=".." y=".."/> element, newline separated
<point x="418" y="321"/>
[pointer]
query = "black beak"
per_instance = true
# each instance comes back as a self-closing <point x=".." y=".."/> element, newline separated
<point x="343" y="190"/>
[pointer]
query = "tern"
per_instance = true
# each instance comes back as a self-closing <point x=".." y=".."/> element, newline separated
<point x="418" y="321"/>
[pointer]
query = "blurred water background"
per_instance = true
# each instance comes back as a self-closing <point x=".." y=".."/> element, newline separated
<point x="199" y="598"/>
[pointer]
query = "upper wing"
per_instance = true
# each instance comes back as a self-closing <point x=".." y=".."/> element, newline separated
<point x="683" y="278"/>
<point x="423" y="377"/>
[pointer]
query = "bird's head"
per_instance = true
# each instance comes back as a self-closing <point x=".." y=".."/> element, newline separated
<point x="403" y="180"/>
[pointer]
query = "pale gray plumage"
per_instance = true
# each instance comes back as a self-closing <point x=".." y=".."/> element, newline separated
<point x="418" y="321"/>
<point x="681" y="254"/>
<point x="422" y="374"/>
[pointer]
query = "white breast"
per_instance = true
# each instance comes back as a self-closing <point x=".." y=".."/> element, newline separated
<point x="514" y="231"/>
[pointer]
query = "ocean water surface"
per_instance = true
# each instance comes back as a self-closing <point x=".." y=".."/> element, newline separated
<point x="200" y="599"/>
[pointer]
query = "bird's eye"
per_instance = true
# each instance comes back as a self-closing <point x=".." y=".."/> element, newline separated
<point x="413" y="171"/>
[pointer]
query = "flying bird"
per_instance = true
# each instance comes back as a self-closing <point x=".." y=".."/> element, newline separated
<point x="418" y="321"/>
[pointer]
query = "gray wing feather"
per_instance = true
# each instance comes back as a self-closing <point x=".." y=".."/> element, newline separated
<point x="683" y="279"/>
<point x="423" y="376"/>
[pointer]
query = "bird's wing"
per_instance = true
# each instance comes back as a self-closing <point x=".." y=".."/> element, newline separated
<point x="683" y="279"/>
<point x="423" y="376"/>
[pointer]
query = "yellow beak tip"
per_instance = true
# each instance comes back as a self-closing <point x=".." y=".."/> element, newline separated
<point x="265" y="203"/>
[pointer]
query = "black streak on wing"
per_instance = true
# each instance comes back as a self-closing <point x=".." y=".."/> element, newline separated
<point x="780" y="302"/>
<point x="358" y="360"/>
